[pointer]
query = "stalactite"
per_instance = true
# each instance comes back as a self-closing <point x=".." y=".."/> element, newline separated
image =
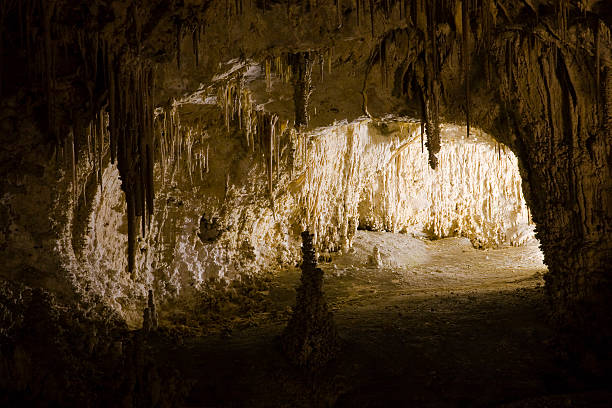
<point x="268" y="75"/>
<point x="321" y="64"/>
<point x="433" y="23"/>
<point x="598" y="66"/>
<point x="562" y="13"/>
<point x="48" y="11"/>
<point x="113" y="114"/>
<point x="372" y="16"/>
<point x="465" y="52"/>
<point x="73" y="157"/>
<point x="179" y="36"/>
<point x="422" y="132"/>
<point x="509" y="61"/>
<point x="4" y="8"/>
<point x="90" y="153"/>
<point x="302" y="86"/>
<point x="607" y="101"/>
<point x="134" y="142"/>
<point x="271" y="125"/>
<point x="196" y="44"/>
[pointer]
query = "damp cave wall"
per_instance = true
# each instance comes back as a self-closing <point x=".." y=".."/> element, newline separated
<point x="541" y="85"/>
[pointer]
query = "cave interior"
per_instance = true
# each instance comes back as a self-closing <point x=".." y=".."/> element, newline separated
<point x="305" y="203"/>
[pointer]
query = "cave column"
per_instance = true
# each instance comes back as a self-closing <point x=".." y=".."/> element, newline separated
<point x="567" y="163"/>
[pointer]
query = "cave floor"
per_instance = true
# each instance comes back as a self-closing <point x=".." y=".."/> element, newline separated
<point x="439" y="324"/>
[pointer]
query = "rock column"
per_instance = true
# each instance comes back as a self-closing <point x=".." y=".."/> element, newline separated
<point x="310" y="339"/>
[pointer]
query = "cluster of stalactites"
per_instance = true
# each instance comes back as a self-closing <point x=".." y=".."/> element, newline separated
<point x="263" y="133"/>
<point x="47" y="46"/>
<point x="181" y="147"/>
<point x="106" y="84"/>
<point x="193" y="28"/>
<point x="283" y="66"/>
<point x="426" y="17"/>
<point x="132" y="142"/>
<point x="424" y="61"/>
<point x="96" y="136"/>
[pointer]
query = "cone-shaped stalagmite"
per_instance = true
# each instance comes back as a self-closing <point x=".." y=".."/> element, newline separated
<point x="310" y="339"/>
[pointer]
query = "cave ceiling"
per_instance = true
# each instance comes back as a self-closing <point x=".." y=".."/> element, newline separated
<point x="187" y="43"/>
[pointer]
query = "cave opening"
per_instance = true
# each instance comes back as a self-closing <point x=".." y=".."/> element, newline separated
<point x="408" y="214"/>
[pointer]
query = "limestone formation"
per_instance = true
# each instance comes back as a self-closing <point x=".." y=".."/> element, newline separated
<point x="302" y="86"/>
<point x="152" y="310"/>
<point x="289" y="115"/>
<point x="147" y="322"/>
<point x="149" y="315"/>
<point x="310" y="339"/>
<point x="375" y="259"/>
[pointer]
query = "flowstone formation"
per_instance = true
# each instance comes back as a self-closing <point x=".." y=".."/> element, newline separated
<point x="310" y="339"/>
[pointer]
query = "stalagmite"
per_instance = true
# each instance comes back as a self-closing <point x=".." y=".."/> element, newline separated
<point x="310" y="339"/>
<point x="152" y="311"/>
<point x="146" y="320"/>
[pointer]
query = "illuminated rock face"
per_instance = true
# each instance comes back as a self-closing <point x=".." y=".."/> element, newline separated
<point x="221" y="222"/>
<point x="378" y="177"/>
<point x="475" y="191"/>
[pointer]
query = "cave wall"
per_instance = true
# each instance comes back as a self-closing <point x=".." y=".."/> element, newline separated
<point x="564" y="142"/>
